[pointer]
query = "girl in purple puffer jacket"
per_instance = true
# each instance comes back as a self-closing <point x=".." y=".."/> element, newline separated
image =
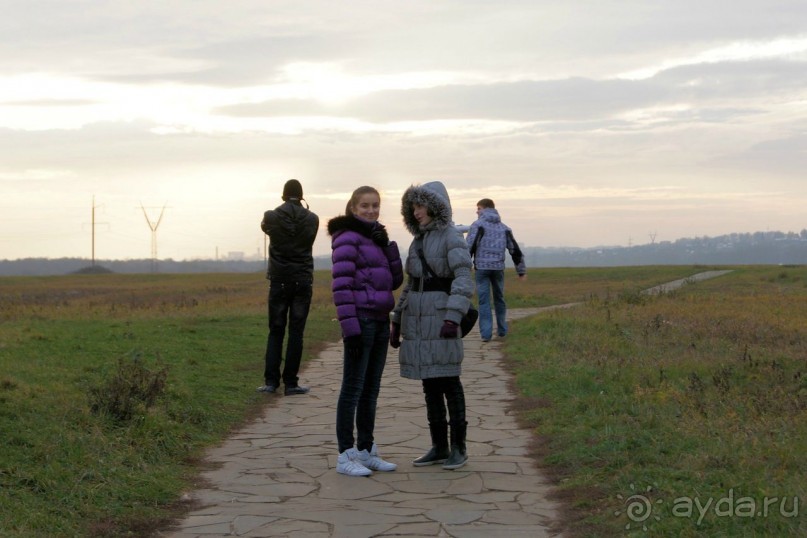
<point x="366" y="270"/>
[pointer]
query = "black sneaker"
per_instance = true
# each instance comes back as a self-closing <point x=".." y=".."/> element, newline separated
<point x="299" y="389"/>
<point x="267" y="388"/>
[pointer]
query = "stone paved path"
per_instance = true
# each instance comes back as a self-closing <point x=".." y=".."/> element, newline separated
<point x="277" y="476"/>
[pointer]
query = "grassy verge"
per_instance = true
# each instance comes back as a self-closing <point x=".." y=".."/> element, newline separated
<point x="678" y="415"/>
<point x="112" y="386"/>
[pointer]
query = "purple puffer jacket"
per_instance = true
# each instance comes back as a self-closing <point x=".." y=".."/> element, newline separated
<point x="364" y="274"/>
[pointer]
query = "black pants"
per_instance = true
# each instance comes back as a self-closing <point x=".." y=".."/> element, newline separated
<point x="289" y="303"/>
<point x="442" y="392"/>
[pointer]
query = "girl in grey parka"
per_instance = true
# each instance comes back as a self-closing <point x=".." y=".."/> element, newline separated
<point x="425" y="321"/>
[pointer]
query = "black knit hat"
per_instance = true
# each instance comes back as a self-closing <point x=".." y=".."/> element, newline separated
<point x="292" y="190"/>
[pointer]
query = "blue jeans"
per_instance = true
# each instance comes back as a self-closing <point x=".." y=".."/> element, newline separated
<point x="361" y="383"/>
<point x="289" y="303"/>
<point x="487" y="279"/>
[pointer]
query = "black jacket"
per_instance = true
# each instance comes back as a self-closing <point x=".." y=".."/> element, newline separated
<point x="291" y="229"/>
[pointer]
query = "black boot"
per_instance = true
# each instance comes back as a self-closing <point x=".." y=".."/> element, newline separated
<point x="439" y="450"/>
<point x="458" y="455"/>
<point x="438" y="426"/>
<point x="455" y="397"/>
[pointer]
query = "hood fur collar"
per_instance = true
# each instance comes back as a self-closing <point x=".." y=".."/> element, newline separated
<point x="435" y="197"/>
<point x="349" y="223"/>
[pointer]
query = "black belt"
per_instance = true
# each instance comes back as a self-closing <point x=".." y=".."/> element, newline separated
<point x="432" y="284"/>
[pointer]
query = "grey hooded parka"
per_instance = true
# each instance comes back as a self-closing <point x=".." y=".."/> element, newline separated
<point x="424" y="354"/>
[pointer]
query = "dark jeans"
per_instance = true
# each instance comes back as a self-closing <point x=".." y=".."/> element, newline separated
<point x="361" y="382"/>
<point x="487" y="280"/>
<point x="289" y="302"/>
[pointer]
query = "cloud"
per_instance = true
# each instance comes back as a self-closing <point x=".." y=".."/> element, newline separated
<point x="210" y="109"/>
<point x="689" y="86"/>
<point x="734" y="52"/>
<point x="523" y="101"/>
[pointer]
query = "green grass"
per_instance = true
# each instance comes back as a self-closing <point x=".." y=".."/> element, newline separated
<point x="545" y="287"/>
<point x="697" y="394"/>
<point x="693" y="393"/>
<point x="67" y="470"/>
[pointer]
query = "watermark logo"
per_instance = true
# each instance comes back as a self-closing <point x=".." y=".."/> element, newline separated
<point x="641" y="510"/>
<point x="733" y="506"/>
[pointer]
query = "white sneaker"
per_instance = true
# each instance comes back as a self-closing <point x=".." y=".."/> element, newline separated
<point x="371" y="460"/>
<point x="347" y="463"/>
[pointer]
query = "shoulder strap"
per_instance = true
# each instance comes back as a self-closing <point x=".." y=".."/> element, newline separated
<point x="426" y="267"/>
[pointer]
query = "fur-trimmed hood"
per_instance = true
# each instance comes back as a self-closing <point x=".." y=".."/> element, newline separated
<point x="435" y="197"/>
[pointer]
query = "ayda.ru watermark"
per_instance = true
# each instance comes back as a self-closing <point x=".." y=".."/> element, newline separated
<point x="641" y="510"/>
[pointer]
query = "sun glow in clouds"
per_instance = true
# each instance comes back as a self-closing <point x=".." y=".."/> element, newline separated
<point x="72" y="103"/>
<point x="329" y="84"/>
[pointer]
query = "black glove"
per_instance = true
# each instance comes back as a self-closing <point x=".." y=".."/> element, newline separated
<point x="380" y="236"/>
<point x="449" y="329"/>
<point x="353" y="347"/>
<point x="395" y="335"/>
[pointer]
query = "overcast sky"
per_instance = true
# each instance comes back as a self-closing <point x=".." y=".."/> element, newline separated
<point x="587" y="122"/>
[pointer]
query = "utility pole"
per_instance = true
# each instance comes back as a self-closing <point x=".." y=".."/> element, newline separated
<point x="653" y="238"/>
<point x="153" y="226"/>
<point x="92" y="231"/>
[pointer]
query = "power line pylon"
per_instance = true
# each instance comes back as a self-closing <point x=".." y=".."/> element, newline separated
<point x="153" y="226"/>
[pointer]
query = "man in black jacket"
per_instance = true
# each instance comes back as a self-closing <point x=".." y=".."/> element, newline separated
<point x="292" y="229"/>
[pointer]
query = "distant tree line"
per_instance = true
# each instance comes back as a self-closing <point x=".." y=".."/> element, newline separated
<point x="64" y="266"/>
<point x="759" y="248"/>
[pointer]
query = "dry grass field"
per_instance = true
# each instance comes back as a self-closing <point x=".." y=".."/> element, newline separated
<point x="112" y="386"/>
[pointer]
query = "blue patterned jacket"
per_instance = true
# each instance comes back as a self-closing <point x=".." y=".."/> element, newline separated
<point x="488" y="240"/>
